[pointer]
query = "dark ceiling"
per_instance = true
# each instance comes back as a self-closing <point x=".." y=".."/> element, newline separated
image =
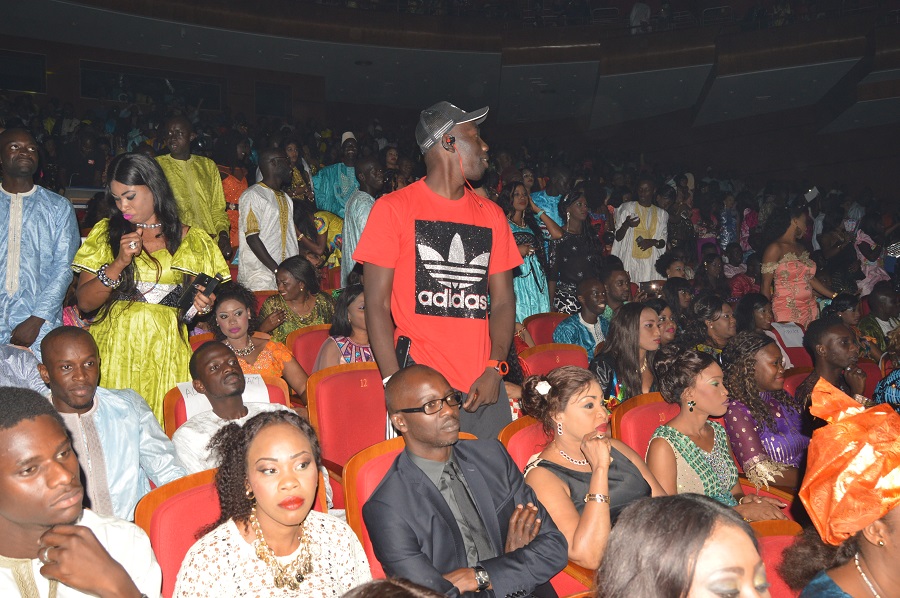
<point x="846" y="70"/>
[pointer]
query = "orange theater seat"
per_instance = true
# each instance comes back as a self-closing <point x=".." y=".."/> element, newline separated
<point x="305" y="343"/>
<point x="175" y="410"/>
<point x="634" y="421"/>
<point x="199" y="339"/>
<point x="542" y="326"/>
<point x="173" y="515"/>
<point x="347" y="409"/>
<point x="332" y="279"/>
<point x="542" y="359"/>
<point x="261" y="297"/>
<point x="523" y="438"/>
<point x="794" y="377"/>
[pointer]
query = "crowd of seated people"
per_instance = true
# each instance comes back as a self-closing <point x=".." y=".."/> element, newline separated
<point x="695" y="308"/>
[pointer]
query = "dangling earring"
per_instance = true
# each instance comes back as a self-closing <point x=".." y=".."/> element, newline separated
<point x="559" y="428"/>
<point x="691" y="406"/>
<point x="249" y="494"/>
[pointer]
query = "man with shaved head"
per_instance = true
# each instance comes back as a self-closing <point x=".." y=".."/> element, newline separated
<point x="456" y="515"/>
<point x="38" y="239"/>
<point x="196" y="183"/>
<point x="266" y="223"/>
<point x="370" y="175"/>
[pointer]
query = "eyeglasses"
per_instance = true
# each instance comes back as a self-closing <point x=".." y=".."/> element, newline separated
<point x="453" y="399"/>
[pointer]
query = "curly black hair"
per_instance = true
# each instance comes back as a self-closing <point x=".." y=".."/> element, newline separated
<point x="739" y="357"/>
<point x="677" y="370"/>
<point x="809" y="555"/>
<point x="708" y="307"/>
<point x="235" y="291"/>
<point x="230" y="446"/>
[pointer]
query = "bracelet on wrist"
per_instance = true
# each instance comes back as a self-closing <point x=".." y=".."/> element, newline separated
<point x="112" y="283"/>
<point x="591" y="497"/>
<point x="539" y="214"/>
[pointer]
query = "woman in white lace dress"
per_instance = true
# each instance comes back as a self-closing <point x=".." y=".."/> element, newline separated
<point x="268" y="541"/>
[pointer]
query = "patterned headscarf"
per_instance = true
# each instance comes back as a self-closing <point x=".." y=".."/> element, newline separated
<point x="853" y="471"/>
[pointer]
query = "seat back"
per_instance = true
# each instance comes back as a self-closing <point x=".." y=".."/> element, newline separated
<point x="261" y="297"/>
<point x="175" y="411"/>
<point x="542" y="326"/>
<point x="542" y="359"/>
<point x="173" y="514"/>
<point x="873" y="376"/>
<point x="523" y="438"/>
<point x="305" y="343"/>
<point x="794" y="378"/>
<point x="362" y="474"/>
<point x="771" y="549"/>
<point x="199" y="339"/>
<point x="789" y="336"/>
<point x="634" y="421"/>
<point x="332" y="279"/>
<point x="347" y="409"/>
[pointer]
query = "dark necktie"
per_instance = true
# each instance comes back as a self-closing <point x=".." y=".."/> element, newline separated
<point x="475" y="531"/>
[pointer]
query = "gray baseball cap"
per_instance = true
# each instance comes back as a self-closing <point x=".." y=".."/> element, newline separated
<point x="436" y="120"/>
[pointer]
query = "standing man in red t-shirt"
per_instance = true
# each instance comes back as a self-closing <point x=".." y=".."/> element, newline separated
<point x="437" y="259"/>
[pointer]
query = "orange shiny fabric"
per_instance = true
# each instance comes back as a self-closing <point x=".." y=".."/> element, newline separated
<point x="853" y="470"/>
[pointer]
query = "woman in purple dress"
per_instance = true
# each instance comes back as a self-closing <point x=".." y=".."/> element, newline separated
<point x="763" y="421"/>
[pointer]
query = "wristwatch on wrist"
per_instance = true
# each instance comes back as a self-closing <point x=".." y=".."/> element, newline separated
<point x="482" y="577"/>
<point x="501" y="366"/>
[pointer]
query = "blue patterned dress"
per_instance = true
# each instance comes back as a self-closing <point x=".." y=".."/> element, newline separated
<point x="529" y="280"/>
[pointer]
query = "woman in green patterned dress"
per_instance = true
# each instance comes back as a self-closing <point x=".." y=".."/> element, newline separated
<point x="691" y="453"/>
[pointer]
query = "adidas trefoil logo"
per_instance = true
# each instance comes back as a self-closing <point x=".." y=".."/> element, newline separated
<point x="454" y="272"/>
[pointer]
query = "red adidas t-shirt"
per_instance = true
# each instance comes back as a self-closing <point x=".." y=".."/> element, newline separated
<point x="442" y="252"/>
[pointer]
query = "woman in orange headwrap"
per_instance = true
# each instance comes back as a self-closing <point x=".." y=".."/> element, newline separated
<point x="851" y="491"/>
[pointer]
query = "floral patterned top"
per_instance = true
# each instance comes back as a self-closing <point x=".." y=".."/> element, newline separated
<point x="269" y="362"/>
<point x="223" y="564"/>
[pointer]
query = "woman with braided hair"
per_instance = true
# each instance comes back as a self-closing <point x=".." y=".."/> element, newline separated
<point x="763" y="421"/>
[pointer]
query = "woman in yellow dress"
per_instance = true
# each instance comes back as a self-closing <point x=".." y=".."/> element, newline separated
<point x="134" y="267"/>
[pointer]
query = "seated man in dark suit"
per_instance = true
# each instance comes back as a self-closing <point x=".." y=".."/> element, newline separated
<point x="456" y="516"/>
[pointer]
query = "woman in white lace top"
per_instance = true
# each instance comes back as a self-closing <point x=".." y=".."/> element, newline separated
<point x="268" y="541"/>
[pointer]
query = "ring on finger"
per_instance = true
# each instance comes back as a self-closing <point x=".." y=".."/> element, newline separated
<point x="45" y="555"/>
<point x="132" y="245"/>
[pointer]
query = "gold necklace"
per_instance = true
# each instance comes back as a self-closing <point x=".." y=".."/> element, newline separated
<point x="644" y="366"/>
<point x="286" y="576"/>
<point x="248" y="350"/>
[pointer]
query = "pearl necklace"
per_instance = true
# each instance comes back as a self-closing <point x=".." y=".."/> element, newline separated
<point x="571" y="460"/>
<point x="142" y="225"/>
<point x="250" y="348"/>
<point x="863" y="575"/>
<point x="285" y="576"/>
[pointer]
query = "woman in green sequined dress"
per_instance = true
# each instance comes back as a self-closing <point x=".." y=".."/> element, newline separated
<point x="299" y="302"/>
<point x="691" y="453"/>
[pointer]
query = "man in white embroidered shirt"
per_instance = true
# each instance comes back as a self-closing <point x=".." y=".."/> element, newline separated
<point x="49" y="544"/>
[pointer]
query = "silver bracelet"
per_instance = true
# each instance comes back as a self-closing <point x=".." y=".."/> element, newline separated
<point x="591" y="497"/>
<point x="106" y="280"/>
